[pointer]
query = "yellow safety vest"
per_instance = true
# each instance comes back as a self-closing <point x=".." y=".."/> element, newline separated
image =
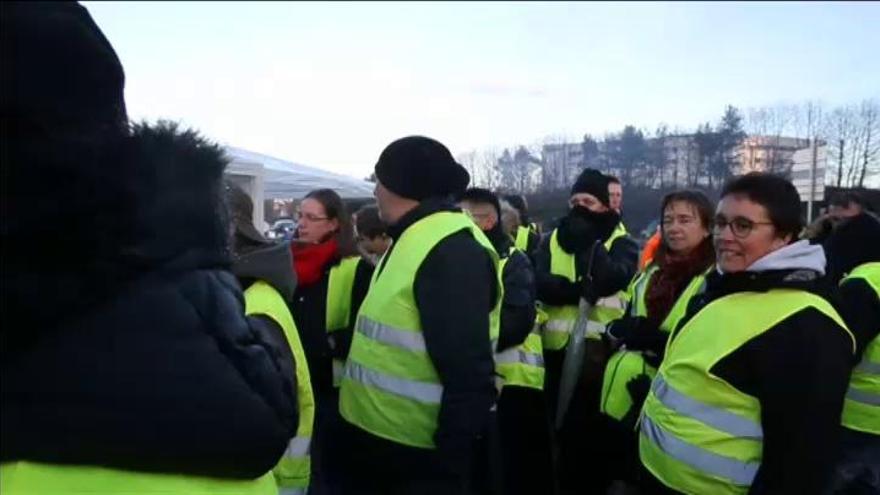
<point x="294" y="468"/>
<point x="390" y="387"/>
<point x="340" y="284"/>
<point x="861" y="407"/>
<point x="34" y="478"/>
<point x="561" y="319"/>
<point x="625" y="365"/>
<point x="523" y="365"/>
<point x="699" y="434"/>
<point x="522" y="238"/>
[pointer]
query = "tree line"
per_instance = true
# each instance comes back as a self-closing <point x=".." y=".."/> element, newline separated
<point x="763" y="138"/>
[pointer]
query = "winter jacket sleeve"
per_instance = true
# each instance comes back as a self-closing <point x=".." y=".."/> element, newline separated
<point x="552" y="289"/>
<point x="455" y="289"/>
<point x="518" y="306"/>
<point x="341" y="339"/>
<point x="611" y="270"/>
<point x="860" y="309"/>
<point x="799" y="371"/>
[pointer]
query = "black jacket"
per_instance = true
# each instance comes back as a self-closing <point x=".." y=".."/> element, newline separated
<point x="309" y="308"/>
<point x="612" y="271"/>
<point x="455" y="289"/>
<point x="798" y="370"/>
<point x="159" y="369"/>
<point x="518" y="278"/>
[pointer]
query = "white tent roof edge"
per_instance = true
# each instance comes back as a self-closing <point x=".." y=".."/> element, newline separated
<point x="288" y="180"/>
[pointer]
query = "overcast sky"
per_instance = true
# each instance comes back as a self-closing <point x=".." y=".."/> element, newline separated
<point x="330" y="84"/>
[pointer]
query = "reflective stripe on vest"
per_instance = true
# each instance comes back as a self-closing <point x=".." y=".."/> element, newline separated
<point x="390" y="387"/>
<point x="699" y="434"/>
<point x="522" y="365"/>
<point x="624" y="365"/>
<point x="861" y="406"/>
<point x="294" y="467"/>
<point x="33" y="478"/>
<point x="561" y="319"/>
<point x="340" y="284"/>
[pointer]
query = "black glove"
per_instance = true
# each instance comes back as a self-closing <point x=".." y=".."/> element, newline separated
<point x="577" y="233"/>
<point x="596" y="285"/>
<point x="621" y="330"/>
<point x="638" y="389"/>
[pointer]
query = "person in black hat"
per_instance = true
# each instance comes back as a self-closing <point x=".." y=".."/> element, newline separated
<point x="418" y="384"/>
<point x="585" y="257"/>
<point x="125" y="347"/>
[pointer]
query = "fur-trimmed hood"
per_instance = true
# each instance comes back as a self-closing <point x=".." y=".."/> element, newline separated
<point x="83" y="220"/>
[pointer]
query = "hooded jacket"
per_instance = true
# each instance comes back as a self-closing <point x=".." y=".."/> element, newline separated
<point x="157" y="369"/>
<point x="798" y="370"/>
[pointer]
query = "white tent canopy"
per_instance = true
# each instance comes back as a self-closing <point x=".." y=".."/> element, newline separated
<point x="288" y="180"/>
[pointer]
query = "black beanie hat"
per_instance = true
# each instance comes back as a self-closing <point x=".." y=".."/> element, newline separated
<point x="60" y="74"/>
<point x="480" y="195"/>
<point x="592" y="182"/>
<point x="419" y="167"/>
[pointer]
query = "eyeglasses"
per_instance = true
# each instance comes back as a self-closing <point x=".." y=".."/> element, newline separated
<point x="741" y="227"/>
<point x="309" y="217"/>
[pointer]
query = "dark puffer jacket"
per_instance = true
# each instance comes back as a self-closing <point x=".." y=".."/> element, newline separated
<point x="157" y="369"/>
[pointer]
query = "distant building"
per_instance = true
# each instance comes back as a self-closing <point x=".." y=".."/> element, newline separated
<point x="563" y="161"/>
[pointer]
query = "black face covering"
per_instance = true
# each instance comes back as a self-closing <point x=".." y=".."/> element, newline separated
<point x="582" y="228"/>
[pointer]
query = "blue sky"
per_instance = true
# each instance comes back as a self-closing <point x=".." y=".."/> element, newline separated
<point x="330" y="84"/>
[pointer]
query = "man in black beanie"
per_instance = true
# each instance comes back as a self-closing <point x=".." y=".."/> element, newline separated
<point x="585" y="257"/>
<point x="418" y="385"/>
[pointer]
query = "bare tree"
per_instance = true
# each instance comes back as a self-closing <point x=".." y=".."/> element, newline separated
<point x="869" y="124"/>
<point x="841" y="132"/>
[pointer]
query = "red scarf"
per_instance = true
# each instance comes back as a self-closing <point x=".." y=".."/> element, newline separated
<point x="309" y="260"/>
<point x="672" y="278"/>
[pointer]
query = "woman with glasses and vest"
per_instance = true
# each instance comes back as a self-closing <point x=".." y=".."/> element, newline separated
<point x="657" y="298"/>
<point x="128" y="364"/>
<point x="418" y="385"/>
<point x="853" y="250"/>
<point x="749" y="394"/>
<point x="332" y="281"/>
<point x="523" y="425"/>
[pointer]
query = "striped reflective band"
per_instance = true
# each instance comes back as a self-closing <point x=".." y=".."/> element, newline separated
<point x="594" y="327"/>
<point x="868" y="367"/>
<point x="292" y="491"/>
<point x="567" y="326"/>
<point x="719" y="419"/>
<point x="410" y="341"/>
<point x="429" y="393"/>
<point x="298" y="447"/>
<point x="739" y="472"/>
<point x="519" y="356"/>
<point x="868" y="398"/>
<point x="559" y="326"/>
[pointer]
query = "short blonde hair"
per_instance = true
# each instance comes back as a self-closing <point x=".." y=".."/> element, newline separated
<point x="510" y="219"/>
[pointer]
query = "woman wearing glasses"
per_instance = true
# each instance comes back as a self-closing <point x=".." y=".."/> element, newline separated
<point x="658" y="298"/>
<point x="332" y="281"/>
<point x="749" y="393"/>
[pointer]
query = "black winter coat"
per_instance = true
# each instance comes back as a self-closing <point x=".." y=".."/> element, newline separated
<point x="158" y="369"/>
<point x="309" y="309"/>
